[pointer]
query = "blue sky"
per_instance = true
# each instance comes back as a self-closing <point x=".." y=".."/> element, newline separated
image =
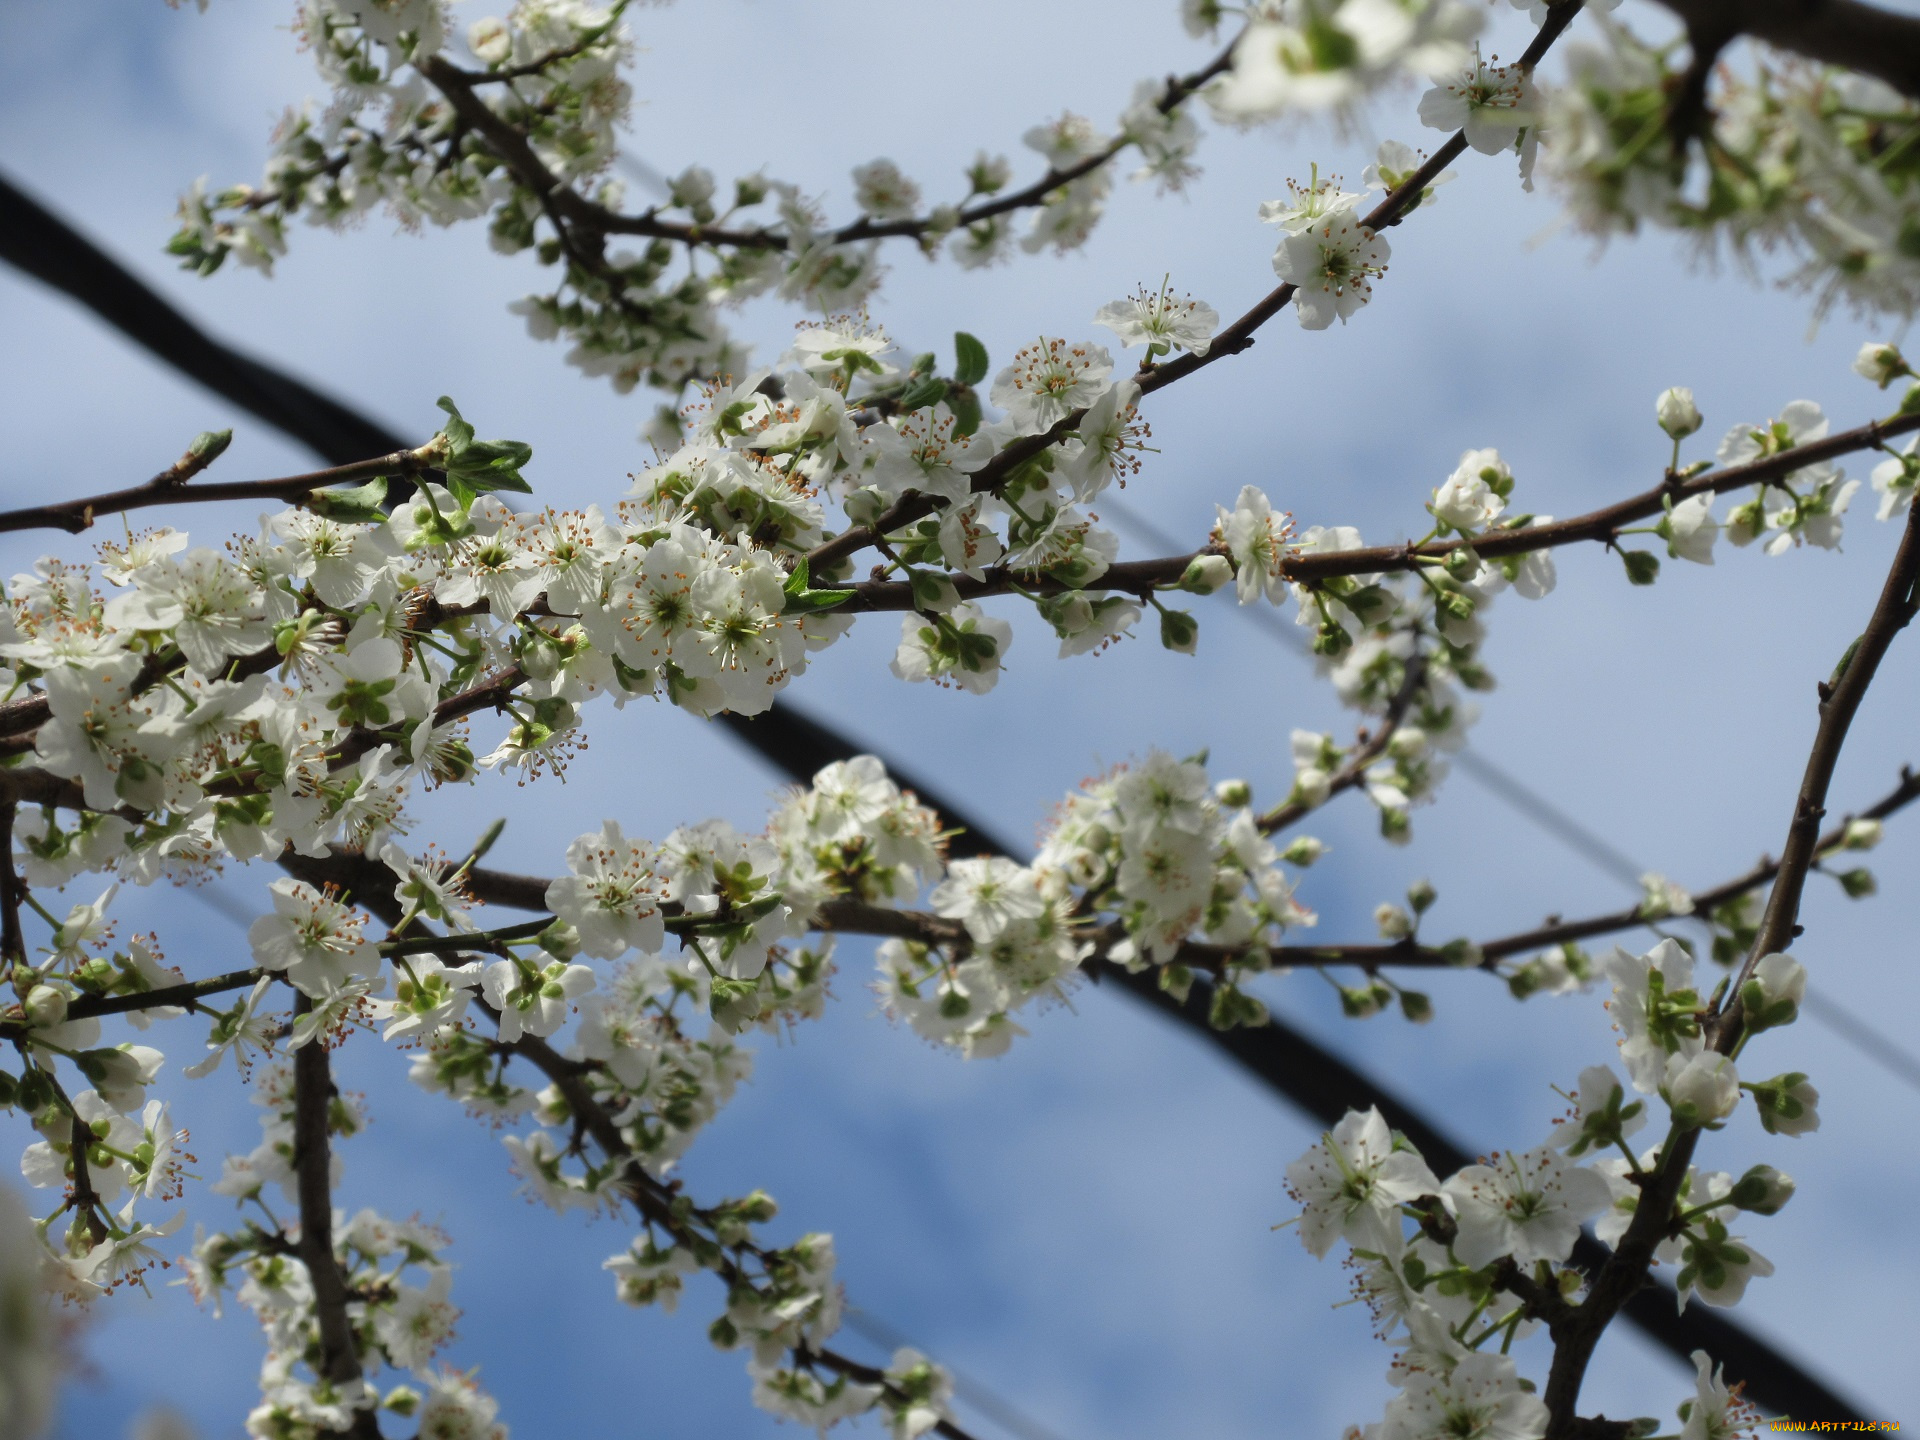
<point x="1084" y="1224"/>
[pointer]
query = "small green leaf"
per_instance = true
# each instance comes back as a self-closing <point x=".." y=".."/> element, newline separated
<point x="923" y="393"/>
<point x="458" y="432"/>
<point x="970" y="366"/>
<point x="812" y="602"/>
<point x="360" y="505"/>
<point x="804" y="601"/>
<point x="966" y="412"/>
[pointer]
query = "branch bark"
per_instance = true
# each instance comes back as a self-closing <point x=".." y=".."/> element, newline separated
<point x="1857" y="37"/>
<point x="313" y="1165"/>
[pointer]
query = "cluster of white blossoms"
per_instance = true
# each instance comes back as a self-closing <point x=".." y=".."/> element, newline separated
<point x="413" y="130"/>
<point x="1447" y="1266"/>
<point x="398" y="1306"/>
<point x="1306" y="55"/>
<point x="287" y="697"/>
<point x="1803" y="159"/>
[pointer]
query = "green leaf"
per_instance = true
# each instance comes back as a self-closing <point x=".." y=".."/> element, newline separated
<point x="804" y="601"/>
<point x="966" y="412"/>
<point x="970" y="366"/>
<point x="485" y="465"/>
<point x="458" y="432"/>
<point x="923" y="393"/>
<point x="360" y="505"/>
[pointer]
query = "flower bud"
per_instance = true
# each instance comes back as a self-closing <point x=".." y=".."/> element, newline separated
<point x="1701" y="1089"/>
<point x="1234" y="794"/>
<point x="1677" y="413"/>
<point x="1416" y="1007"/>
<point x="1364" y="1001"/>
<point x="1881" y="363"/>
<point x="1788" y="1105"/>
<point x="1206" y="573"/>
<point x="1421" y="895"/>
<point x="209" y="445"/>
<point x="1304" y="851"/>
<point x="490" y="40"/>
<point x="864" y="506"/>
<point x="121" y="1075"/>
<point x="1858" y="882"/>
<point x="560" y="940"/>
<point x="1773" y="993"/>
<point x="1311" y="786"/>
<point x="1861" y="834"/>
<point x="1394" y="923"/>
<point x="1763" y="1190"/>
<point x="1179" y="631"/>
<point x="46" y="1005"/>
<point x="1409" y="742"/>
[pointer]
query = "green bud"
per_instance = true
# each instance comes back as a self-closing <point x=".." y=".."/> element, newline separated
<point x="560" y="940"/>
<point x="1763" y="1190"/>
<point x="1179" y="631"/>
<point x="1304" y="851"/>
<point x="1421" y="895"/>
<point x="1205" y="574"/>
<point x="33" y="1093"/>
<point x="1370" y="604"/>
<point x="1858" y="882"/>
<point x="209" y="445"/>
<point x="734" y="1004"/>
<point x="1233" y="1006"/>
<point x="1331" y="639"/>
<point x="1643" y="566"/>
<point x="1360" y="1002"/>
<point x="1416" y="1006"/>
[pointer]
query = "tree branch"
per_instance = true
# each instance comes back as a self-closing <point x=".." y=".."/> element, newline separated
<point x="1576" y="1335"/>
<point x="313" y="1093"/>
<point x="73" y="516"/>
<point x="1853" y="36"/>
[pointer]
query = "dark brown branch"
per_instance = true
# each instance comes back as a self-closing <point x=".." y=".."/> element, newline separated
<point x="566" y="205"/>
<point x="1839" y="702"/>
<point x="80" y="1138"/>
<point x="1370" y="749"/>
<point x="73" y="516"/>
<point x="1853" y="36"/>
<point x="313" y="1094"/>
<point x="1576" y="1335"/>
<point x="185" y="995"/>
<point x="654" y="1201"/>
<point x="1138" y="577"/>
